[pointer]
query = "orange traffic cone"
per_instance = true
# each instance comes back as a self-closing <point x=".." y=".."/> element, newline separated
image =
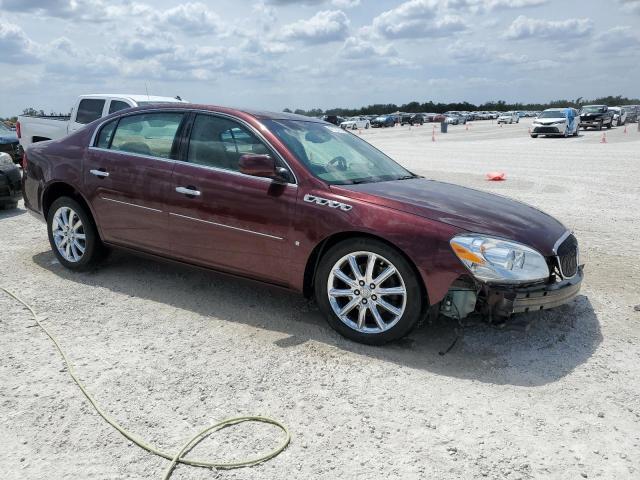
<point x="604" y="138"/>
<point x="625" y="129"/>
<point x="466" y="126"/>
<point x="529" y="130"/>
<point x="433" y="134"/>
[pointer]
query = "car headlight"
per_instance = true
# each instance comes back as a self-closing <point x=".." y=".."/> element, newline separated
<point x="494" y="260"/>
<point x="5" y="160"/>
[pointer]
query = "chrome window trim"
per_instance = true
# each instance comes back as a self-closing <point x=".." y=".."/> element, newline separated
<point x="560" y="240"/>
<point x="131" y="204"/>
<point x="226" y="226"/>
<point x="186" y="111"/>
<point x="132" y="154"/>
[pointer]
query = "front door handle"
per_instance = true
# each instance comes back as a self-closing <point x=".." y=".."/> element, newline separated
<point x="188" y="191"/>
<point x="99" y="173"/>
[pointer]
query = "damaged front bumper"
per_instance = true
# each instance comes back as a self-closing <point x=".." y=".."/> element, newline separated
<point x="505" y="300"/>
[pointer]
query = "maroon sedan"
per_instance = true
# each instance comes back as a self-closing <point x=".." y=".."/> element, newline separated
<point x="298" y="203"/>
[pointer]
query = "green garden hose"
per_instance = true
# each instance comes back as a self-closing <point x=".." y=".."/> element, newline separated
<point x="177" y="457"/>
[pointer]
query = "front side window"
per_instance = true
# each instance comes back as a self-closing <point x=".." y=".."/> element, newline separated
<point x="150" y="134"/>
<point x="219" y="142"/>
<point x="335" y="155"/>
<point x="117" y="105"/>
<point x="89" y="109"/>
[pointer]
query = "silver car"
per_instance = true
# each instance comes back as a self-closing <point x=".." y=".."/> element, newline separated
<point x="556" y="122"/>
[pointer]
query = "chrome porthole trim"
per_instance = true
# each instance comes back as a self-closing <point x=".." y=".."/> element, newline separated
<point x="345" y="207"/>
<point x="69" y="235"/>
<point x="366" y="292"/>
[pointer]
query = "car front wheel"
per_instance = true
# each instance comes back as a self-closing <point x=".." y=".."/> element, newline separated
<point x="368" y="291"/>
<point x="73" y="235"/>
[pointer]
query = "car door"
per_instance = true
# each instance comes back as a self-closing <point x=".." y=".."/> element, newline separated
<point x="127" y="173"/>
<point x="221" y="218"/>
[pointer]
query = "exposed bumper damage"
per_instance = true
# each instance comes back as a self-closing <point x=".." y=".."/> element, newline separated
<point x="500" y="301"/>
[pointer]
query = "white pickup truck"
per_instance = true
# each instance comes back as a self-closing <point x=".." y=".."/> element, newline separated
<point x="32" y="129"/>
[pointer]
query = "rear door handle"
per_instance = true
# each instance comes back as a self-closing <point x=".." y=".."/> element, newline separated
<point x="189" y="191"/>
<point x="99" y="173"/>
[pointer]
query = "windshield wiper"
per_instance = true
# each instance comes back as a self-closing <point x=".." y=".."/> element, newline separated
<point x="407" y="177"/>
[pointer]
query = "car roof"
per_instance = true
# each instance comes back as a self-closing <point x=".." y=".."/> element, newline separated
<point x="258" y="114"/>
<point x="135" y="97"/>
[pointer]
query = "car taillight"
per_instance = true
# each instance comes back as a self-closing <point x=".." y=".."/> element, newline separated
<point x="18" y="130"/>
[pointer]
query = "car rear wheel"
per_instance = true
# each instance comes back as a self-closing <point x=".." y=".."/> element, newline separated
<point x="534" y="136"/>
<point x="368" y="291"/>
<point x="73" y="235"/>
<point x="366" y="126"/>
<point x="609" y="125"/>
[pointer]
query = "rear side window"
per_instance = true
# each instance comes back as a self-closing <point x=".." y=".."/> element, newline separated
<point x="150" y="134"/>
<point x="89" y="109"/>
<point x="106" y="133"/>
<point x="219" y="142"/>
<point x="117" y="105"/>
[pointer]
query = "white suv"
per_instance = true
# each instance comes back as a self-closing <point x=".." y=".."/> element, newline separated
<point x="509" y="117"/>
<point x="556" y="122"/>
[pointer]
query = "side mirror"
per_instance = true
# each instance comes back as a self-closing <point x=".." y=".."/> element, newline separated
<point x="262" y="166"/>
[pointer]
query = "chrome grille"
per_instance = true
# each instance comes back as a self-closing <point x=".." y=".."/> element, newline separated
<point x="567" y="255"/>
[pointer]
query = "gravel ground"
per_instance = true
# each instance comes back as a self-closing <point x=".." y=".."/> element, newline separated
<point x="168" y="349"/>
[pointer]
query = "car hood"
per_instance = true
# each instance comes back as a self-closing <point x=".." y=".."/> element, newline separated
<point x="465" y="208"/>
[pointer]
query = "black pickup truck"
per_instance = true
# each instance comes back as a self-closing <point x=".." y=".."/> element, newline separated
<point x="596" y="116"/>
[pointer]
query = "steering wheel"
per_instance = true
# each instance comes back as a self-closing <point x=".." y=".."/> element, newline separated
<point x="340" y="163"/>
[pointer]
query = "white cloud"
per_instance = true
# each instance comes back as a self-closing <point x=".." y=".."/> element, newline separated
<point x="525" y="27"/>
<point x="191" y="18"/>
<point x="631" y="5"/>
<point x="15" y="46"/>
<point x="416" y="19"/>
<point x="146" y="43"/>
<point x="490" y="5"/>
<point x="335" y="3"/>
<point x="324" y="26"/>
<point x="620" y="40"/>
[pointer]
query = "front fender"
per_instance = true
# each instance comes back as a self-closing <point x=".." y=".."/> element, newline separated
<point x="423" y="241"/>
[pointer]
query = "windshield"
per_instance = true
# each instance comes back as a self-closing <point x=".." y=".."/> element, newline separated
<point x="552" y="114"/>
<point x="594" y="109"/>
<point x="5" y="129"/>
<point x="335" y="155"/>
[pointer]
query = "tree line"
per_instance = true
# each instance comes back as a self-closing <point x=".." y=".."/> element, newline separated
<point x="431" y="107"/>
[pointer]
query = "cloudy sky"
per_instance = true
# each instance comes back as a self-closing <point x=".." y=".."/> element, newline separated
<point x="317" y="53"/>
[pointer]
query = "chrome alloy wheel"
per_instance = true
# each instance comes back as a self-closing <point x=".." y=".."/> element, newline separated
<point x="68" y="234"/>
<point x="366" y="292"/>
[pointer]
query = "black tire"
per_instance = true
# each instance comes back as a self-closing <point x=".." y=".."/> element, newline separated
<point x="600" y="125"/>
<point x="415" y="299"/>
<point x="609" y="125"/>
<point x="366" y="126"/>
<point x="533" y="135"/>
<point x="94" y="248"/>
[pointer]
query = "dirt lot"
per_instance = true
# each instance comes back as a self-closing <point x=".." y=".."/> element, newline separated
<point x="168" y="350"/>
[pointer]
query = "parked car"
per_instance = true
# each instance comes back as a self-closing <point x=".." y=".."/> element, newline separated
<point x="33" y="129"/>
<point x="295" y="202"/>
<point x="384" y="121"/>
<point x="633" y="113"/>
<point x="556" y="122"/>
<point x="438" y="117"/>
<point x="619" y="115"/>
<point x="10" y="183"/>
<point x="412" y="119"/>
<point x="335" y="119"/>
<point x="596" y="116"/>
<point x="509" y="117"/>
<point x="355" y="123"/>
<point x="10" y="144"/>
<point x="454" y="119"/>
